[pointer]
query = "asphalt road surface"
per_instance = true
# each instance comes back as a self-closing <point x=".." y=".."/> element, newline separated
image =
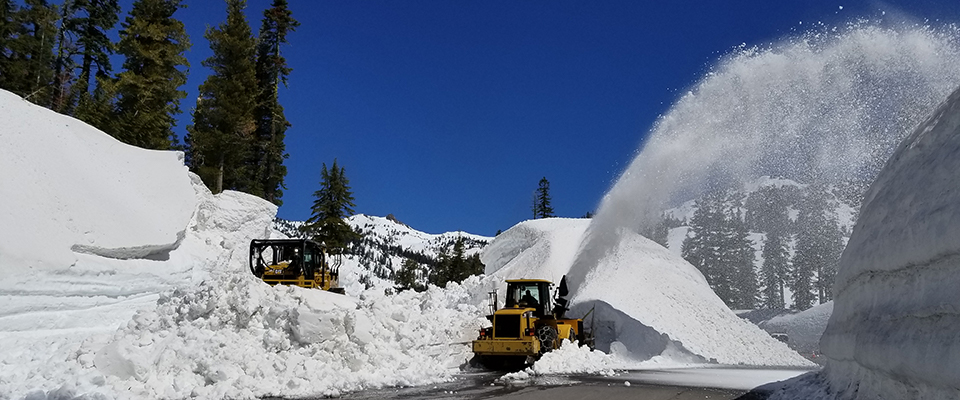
<point x="679" y="384"/>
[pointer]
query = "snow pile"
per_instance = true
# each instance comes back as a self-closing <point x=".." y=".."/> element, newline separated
<point x="647" y="302"/>
<point x="140" y="287"/>
<point x="570" y="358"/>
<point x="67" y="188"/>
<point x="536" y="249"/>
<point x="894" y="329"/>
<point x="240" y="338"/>
<point x="803" y="329"/>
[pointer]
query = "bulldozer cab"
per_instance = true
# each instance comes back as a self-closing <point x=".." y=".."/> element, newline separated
<point x="529" y="293"/>
<point x="298" y="262"/>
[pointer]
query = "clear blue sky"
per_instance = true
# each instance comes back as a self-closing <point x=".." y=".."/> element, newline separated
<point x="447" y="113"/>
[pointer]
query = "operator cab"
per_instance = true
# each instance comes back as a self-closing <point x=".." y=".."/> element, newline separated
<point x="529" y="293"/>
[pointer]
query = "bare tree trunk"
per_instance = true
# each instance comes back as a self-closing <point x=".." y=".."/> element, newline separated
<point x="220" y="176"/>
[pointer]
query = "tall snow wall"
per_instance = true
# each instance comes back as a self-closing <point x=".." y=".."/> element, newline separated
<point x="646" y="301"/>
<point x="69" y="189"/>
<point x="895" y="329"/>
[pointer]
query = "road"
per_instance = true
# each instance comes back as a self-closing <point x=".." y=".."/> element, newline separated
<point x="670" y="384"/>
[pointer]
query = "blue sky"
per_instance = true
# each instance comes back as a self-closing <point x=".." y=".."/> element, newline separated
<point x="447" y="113"/>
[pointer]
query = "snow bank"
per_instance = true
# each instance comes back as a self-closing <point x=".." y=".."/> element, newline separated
<point x="894" y="329"/>
<point x="647" y="301"/>
<point x="127" y="278"/>
<point x="803" y="329"/>
<point x="67" y="188"/>
<point x="240" y="338"/>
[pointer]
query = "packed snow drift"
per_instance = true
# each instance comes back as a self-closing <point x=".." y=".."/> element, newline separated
<point x="647" y="301"/>
<point x="125" y="277"/>
<point x="894" y="329"/>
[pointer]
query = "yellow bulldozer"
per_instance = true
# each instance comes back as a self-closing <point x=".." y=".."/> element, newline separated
<point x="531" y="323"/>
<point x="299" y="262"/>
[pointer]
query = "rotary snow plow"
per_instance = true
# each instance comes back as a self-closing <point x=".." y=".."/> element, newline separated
<point x="530" y="324"/>
<point x="297" y="262"/>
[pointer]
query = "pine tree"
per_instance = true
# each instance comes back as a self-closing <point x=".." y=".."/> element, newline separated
<point x="148" y="94"/>
<point x="63" y="64"/>
<point x="703" y="248"/>
<point x="268" y="150"/>
<point x="408" y="276"/>
<point x="94" y="18"/>
<point x="774" y="271"/>
<point x="541" y="202"/>
<point x="332" y="204"/>
<point x="766" y="210"/>
<point x="29" y="66"/>
<point x="7" y="10"/>
<point x="739" y="259"/>
<point x="223" y="122"/>
<point x="816" y="250"/>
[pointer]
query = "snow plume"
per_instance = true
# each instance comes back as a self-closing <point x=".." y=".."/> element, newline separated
<point x="893" y="332"/>
<point x="828" y="106"/>
<point x="647" y="304"/>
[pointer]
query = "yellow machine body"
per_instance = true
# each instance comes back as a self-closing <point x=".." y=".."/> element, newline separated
<point x="298" y="262"/>
<point x="530" y="324"/>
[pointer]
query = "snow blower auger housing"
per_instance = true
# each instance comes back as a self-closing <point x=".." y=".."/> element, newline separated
<point x="297" y="262"/>
<point x="530" y="323"/>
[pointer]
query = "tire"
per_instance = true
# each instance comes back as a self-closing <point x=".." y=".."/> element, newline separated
<point x="547" y="335"/>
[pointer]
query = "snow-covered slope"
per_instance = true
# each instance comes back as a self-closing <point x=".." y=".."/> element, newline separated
<point x="124" y="277"/>
<point x="896" y="322"/>
<point x="391" y="232"/>
<point x="648" y="301"/>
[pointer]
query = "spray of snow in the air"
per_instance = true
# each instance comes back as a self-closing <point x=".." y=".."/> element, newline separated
<point x="828" y="106"/>
<point x="893" y="331"/>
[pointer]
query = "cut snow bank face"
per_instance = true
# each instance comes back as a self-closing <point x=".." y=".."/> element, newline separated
<point x="68" y="188"/>
<point x="646" y="301"/>
<point x="894" y="329"/>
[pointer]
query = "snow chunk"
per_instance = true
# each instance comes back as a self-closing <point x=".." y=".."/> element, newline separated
<point x="569" y="359"/>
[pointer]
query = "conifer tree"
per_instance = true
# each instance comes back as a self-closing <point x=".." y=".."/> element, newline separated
<point x="7" y="10"/>
<point x="817" y="250"/>
<point x="332" y="204"/>
<point x="93" y="19"/>
<point x="408" y="276"/>
<point x="223" y="122"/>
<point x="739" y="257"/>
<point x="63" y="64"/>
<point x="148" y="95"/>
<point x="29" y="65"/>
<point x="268" y="150"/>
<point x="703" y="247"/>
<point x="774" y="271"/>
<point x="541" y="202"/>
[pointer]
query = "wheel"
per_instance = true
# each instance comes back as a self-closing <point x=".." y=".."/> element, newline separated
<point x="547" y="335"/>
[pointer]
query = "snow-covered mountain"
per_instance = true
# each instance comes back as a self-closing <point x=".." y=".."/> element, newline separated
<point x="386" y="243"/>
